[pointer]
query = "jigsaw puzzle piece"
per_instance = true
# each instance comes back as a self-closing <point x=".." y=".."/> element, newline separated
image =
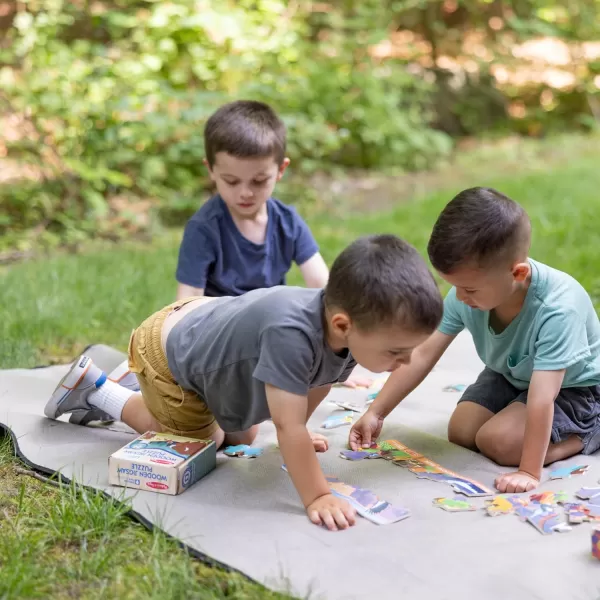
<point x="338" y="420"/>
<point x="453" y="504"/>
<point x="585" y="493"/>
<point x="243" y="451"/>
<point x="550" y="498"/>
<point x="359" y="454"/>
<point x="566" y="472"/>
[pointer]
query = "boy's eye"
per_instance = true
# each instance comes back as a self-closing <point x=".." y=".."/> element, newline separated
<point x="260" y="182"/>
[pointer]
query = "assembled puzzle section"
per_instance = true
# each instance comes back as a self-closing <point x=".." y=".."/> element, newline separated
<point x="162" y="462"/>
<point x="421" y="466"/>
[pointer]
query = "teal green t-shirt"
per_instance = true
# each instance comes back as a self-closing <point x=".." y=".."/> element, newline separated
<point x="556" y="329"/>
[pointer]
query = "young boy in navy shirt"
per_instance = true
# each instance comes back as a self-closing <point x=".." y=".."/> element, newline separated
<point x="242" y="239"/>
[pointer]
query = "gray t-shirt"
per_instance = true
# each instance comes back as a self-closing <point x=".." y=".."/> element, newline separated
<point x="228" y="349"/>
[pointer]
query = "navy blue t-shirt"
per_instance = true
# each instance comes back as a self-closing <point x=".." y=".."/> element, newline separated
<point x="215" y="256"/>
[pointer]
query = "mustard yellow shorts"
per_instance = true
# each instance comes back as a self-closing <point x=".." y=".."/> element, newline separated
<point x="181" y="412"/>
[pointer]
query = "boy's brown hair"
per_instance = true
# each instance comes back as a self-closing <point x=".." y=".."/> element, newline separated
<point x="245" y="129"/>
<point x="479" y="227"/>
<point x="381" y="280"/>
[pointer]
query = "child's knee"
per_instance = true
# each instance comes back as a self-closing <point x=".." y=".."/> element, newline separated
<point x="460" y="436"/>
<point x="503" y="449"/>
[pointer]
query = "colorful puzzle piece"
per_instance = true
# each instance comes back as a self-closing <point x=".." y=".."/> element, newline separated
<point x="578" y="512"/>
<point x="456" y="387"/>
<point x="586" y="493"/>
<point x="543" y="517"/>
<point x="453" y="504"/>
<point x="243" y="451"/>
<point x="366" y="503"/>
<point x="338" y="420"/>
<point x="348" y="406"/>
<point x="359" y="454"/>
<point x="596" y="543"/>
<point x="566" y="472"/>
<point x="424" y="468"/>
<point x="549" y="498"/>
<point x="504" y="505"/>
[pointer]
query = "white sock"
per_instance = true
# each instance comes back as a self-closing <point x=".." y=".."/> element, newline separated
<point x="111" y="398"/>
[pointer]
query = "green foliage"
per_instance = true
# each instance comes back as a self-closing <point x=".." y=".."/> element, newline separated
<point x="115" y="99"/>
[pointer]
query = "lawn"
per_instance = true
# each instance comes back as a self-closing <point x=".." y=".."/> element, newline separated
<point x="67" y="543"/>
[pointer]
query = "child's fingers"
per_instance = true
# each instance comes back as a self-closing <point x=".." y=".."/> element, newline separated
<point x="315" y="517"/>
<point x="340" y="519"/>
<point x="350" y="515"/>
<point x="328" y="520"/>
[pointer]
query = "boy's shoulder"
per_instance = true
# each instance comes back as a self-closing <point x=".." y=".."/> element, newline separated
<point x="284" y="212"/>
<point x="213" y="209"/>
<point x="557" y="289"/>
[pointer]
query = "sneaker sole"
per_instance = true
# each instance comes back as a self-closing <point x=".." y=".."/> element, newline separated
<point x="62" y="389"/>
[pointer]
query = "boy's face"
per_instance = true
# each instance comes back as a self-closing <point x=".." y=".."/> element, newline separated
<point x="383" y="349"/>
<point x="245" y="184"/>
<point x="486" y="289"/>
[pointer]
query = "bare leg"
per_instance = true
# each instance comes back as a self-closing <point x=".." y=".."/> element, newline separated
<point x="501" y="439"/>
<point x="241" y="437"/>
<point x="138" y="417"/>
<point x="466" y="420"/>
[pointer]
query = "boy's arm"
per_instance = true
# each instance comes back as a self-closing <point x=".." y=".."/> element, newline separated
<point x="543" y="390"/>
<point x="315" y="271"/>
<point x="401" y="383"/>
<point x="185" y="291"/>
<point x="289" y="413"/>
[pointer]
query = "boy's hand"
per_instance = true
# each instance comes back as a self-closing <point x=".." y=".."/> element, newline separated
<point x="365" y="431"/>
<point x="516" y="482"/>
<point x="332" y="512"/>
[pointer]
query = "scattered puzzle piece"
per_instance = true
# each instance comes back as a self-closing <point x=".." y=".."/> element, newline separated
<point x="586" y="493"/>
<point x="453" y="504"/>
<point x="578" y="512"/>
<point x="243" y="451"/>
<point x="504" y="505"/>
<point x="566" y="472"/>
<point x="359" y="454"/>
<point x="456" y="387"/>
<point x="367" y="504"/>
<point x="348" y="406"/>
<point x="543" y="517"/>
<point x="338" y="420"/>
<point x="550" y="498"/>
<point x="596" y="543"/>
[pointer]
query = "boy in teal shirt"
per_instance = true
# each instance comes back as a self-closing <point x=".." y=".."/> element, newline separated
<point x="535" y="328"/>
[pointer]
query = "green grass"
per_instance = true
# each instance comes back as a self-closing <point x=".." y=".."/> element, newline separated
<point x="53" y="308"/>
<point x="68" y="543"/>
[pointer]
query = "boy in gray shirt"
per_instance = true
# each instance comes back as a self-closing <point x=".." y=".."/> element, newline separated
<point x="218" y="367"/>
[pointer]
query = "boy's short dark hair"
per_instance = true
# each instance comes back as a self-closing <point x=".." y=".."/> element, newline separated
<point x="382" y="280"/>
<point x="478" y="227"/>
<point x="245" y="129"/>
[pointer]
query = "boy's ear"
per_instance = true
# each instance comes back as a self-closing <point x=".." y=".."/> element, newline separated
<point x="340" y="323"/>
<point x="521" y="272"/>
<point x="284" y="165"/>
<point x="208" y="168"/>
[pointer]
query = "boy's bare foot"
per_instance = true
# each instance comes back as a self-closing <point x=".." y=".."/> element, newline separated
<point x="319" y="441"/>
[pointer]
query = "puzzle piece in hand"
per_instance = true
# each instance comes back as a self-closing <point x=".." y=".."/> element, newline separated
<point x="504" y="505"/>
<point x="566" y="472"/>
<point x="366" y="503"/>
<point x="243" y="451"/>
<point x="453" y="504"/>
<point x="360" y="454"/>
<point x="338" y="420"/>
<point x="550" y="498"/>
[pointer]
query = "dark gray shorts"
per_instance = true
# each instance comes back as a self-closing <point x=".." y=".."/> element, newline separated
<point x="576" y="410"/>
